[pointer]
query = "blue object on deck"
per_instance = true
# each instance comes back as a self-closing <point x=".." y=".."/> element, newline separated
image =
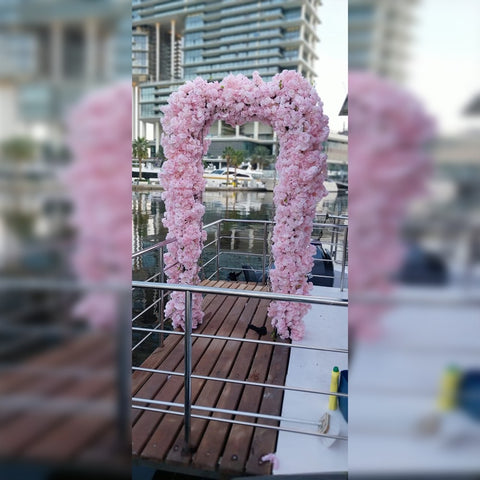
<point x="322" y="266"/>
<point x="252" y="275"/>
<point x="343" y="388"/>
<point x="469" y="394"/>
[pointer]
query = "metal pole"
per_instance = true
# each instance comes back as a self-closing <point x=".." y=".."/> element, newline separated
<point x="344" y="258"/>
<point x="123" y="347"/>
<point x="264" y="255"/>
<point x="188" y="369"/>
<point x="218" y="251"/>
<point x="161" y="312"/>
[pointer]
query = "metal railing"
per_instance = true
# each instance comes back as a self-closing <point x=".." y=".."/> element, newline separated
<point x="337" y="246"/>
<point x="185" y="409"/>
<point x="338" y="249"/>
<point x="338" y="243"/>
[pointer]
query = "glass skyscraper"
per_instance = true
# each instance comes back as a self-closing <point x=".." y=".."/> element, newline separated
<point x="177" y="40"/>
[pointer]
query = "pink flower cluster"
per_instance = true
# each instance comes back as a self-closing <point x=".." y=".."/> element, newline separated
<point x="388" y="133"/>
<point x="291" y="105"/>
<point x="100" y="140"/>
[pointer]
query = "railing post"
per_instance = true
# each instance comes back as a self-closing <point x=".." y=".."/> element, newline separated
<point x="218" y="250"/>
<point x="344" y="258"/>
<point x="264" y="255"/>
<point x="188" y="370"/>
<point x="161" y="310"/>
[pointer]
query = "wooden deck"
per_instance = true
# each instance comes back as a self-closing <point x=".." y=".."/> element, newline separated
<point x="60" y="406"/>
<point x="218" y="448"/>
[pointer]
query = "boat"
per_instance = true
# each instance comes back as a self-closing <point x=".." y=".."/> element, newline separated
<point x="150" y="171"/>
<point x="236" y="178"/>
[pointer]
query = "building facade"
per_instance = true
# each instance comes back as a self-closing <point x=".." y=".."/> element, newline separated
<point x="175" y="41"/>
<point x="52" y="52"/>
<point x="379" y="36"/>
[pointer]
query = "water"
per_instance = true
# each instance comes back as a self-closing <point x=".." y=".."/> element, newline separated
<point x="147" y="229"/>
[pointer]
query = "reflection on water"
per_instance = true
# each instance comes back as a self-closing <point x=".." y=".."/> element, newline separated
<point x="147" y="213"/>
<point x="148" y="209"/>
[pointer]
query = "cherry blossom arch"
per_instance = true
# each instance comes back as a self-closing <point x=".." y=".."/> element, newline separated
<point x="292" y="107"/>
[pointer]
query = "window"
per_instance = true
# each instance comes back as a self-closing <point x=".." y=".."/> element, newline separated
<point x="193" y="38"/>
<point x="147" y="93"/>
<point x="292" y="14"/>
<point x="193" y="56"/>
<point x="194" y="21"/>
<point x="147" y="110"/>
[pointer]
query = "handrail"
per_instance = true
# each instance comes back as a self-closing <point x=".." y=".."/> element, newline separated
<point x="190" y="290"/>
<point x="153" y="247"/>
<point x="286" y="297"/>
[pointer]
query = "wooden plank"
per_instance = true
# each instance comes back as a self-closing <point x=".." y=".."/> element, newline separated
<point x="168" y="425"/>
<point x="171" y="387"/>
<point x="210" y="366"/>
<point x="35" y="428"/>
<point x="75" y="434"/>
<point x="172" y="354"/>
<point x="212" y="443"/>
<point x="30" y="427"/>
<point x="237" y="445"/>
<point x="76" y="348"/>
<point x="211" y="390"/>
<point x="264" y="441"/>
<point x="49" y="383"/>
<point x="171" y="342"/>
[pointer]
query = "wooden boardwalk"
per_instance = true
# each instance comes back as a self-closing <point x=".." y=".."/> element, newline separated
<point x="218" y="448"/>
<point x="60" y="406"/>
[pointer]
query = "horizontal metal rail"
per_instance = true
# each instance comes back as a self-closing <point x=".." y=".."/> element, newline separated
<point x="246" y="340"/>
<point x="238" y="422"/>
<point x="153" y="330"/>
<point x="259" y="384"/>
<point x="146" y="309"/>
<point x="209" y="261"/>
<point x="227" y="411"/>
<point x="243" y="293"/>
<point x="272" y="222"/>
<point x="153" y="247"/>
<point x="209" y="244"/>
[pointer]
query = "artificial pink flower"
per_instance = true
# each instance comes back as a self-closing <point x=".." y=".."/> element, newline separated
<point x="292" y="106"/>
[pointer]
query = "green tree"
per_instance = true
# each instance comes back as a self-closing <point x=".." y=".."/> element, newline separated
<point x="19" y="149"/>
<point x="228" y="154"/>
<point x="18" y="216"/>
<point x="261" y="155"/>
<point x="237" y="159"/>
<point x="140" y="152"/>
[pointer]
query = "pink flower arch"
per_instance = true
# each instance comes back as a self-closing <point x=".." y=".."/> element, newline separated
<point x="292" y="107"/>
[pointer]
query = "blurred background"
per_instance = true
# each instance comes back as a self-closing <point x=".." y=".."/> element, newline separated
<point x="61" y="412"/>
<point x="415" y="357"/>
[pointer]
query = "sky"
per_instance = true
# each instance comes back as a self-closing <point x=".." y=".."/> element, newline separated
<point x="332" y="65"/>
<point x="444" y="69"/>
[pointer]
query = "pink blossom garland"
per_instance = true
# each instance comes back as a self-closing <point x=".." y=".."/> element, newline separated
<point x="273" y="459"/>
<point x="98" y="181"/>
<point x="291" y="105"/>
<point x="388" y="166"/>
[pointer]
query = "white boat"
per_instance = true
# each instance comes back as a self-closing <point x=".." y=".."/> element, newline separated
<point x="239" y="179"/>
<point x="149" y="172"/>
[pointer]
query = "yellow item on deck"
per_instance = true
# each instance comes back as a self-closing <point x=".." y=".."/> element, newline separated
<point x="332" y="399"/>
<point x="447" y="399"/>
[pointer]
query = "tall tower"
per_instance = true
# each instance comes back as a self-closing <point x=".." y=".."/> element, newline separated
<point x="379" y="36"/>
<point x="176" y="41"/>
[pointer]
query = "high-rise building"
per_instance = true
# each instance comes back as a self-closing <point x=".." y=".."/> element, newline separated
<point x="379" y="36"/>
<point x="54" y="52"/>
<point x="178" y="40"/>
